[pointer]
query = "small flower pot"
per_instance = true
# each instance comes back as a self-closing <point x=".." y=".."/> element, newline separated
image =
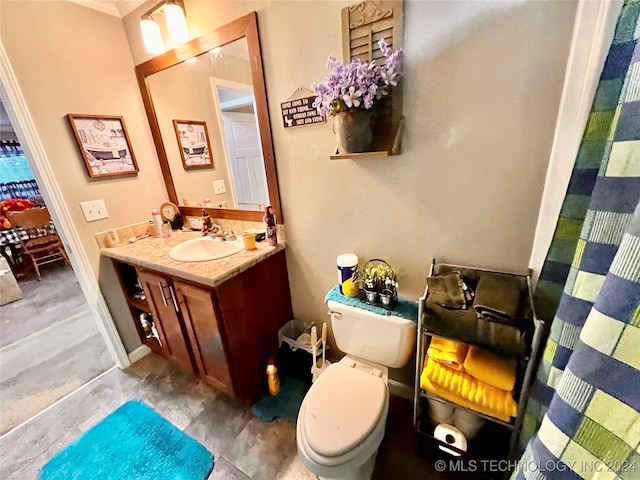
<point x="371" y="296"/>
<point x="353" y="131"/>
<point x="388" y="298"/>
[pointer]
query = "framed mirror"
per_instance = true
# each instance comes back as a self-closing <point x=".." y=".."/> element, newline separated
<point x="214" y="84"/>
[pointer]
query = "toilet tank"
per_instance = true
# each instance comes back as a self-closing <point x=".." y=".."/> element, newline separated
<point x="383" y="339"/>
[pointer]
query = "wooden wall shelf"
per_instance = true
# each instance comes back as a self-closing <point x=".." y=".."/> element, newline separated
<point x="359" y="156"/>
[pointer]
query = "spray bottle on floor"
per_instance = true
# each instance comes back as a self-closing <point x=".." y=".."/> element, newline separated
<point x="272" y="377"/>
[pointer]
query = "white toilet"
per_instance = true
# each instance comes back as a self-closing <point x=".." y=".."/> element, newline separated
<point x="342" y="418"/>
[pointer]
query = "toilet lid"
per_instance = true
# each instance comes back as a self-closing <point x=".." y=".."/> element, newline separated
<point x="342" y="408"/>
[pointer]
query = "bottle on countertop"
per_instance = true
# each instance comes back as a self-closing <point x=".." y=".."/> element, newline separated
<point x="166" y="229"/>
<point x="157" y="222"/>
<point x="270" y="222"/>
<point x="112" y="239"/>
<point x="207" y="224"/>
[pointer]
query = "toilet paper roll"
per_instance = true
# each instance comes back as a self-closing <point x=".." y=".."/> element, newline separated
<point x="450" y="435"/>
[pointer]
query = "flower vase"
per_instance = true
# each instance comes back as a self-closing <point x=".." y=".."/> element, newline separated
<point x="388" y="298"/>
<point x="371" y="295"/>
<point x="353" y="131"/>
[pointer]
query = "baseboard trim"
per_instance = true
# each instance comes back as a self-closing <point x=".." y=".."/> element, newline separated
<point x="400" y="389"/>
<point x="140" y="352"/>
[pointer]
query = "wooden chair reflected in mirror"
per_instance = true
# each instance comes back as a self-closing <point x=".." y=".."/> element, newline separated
<point x="38" y="239"/>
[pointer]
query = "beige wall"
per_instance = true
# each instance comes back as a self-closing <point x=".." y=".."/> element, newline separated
<point x="482" y="86"/>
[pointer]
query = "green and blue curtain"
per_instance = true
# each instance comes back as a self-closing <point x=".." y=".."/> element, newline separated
<point x="585" y="404"/>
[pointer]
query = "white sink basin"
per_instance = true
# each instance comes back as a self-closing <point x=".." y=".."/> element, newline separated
<point x="204" y="248"/>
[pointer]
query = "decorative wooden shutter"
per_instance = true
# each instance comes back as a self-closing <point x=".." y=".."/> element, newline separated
<point x="363" y="25"/>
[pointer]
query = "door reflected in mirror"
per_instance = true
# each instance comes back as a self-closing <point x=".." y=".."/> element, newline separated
<point x="215" y="92"/>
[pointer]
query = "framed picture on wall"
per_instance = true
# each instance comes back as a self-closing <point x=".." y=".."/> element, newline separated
<point x="104" y="145"/>
<point x="193" y="141"/>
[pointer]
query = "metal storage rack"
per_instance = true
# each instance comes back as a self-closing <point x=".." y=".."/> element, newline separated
<point x="529" y="360"/>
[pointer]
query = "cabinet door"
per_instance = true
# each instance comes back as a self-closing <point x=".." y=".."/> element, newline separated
<point x="205" y="334"/>
<point x="164" y="310"/>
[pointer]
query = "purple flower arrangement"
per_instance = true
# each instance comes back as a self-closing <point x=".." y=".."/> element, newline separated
<point x="357" y="85"/>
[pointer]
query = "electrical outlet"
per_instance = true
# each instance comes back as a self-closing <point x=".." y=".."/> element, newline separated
<point x="94" y="210"/>
<point x="218" y="187"/>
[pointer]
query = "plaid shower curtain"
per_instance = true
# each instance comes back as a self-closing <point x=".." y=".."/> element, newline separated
<point x="586" y="401"/>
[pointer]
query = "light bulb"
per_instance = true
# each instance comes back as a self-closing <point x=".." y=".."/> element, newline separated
<point x="151" y="36"/>
<point x="176" y="23"/>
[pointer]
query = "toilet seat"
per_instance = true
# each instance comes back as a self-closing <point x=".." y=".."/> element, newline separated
<point x="362" y="445"/>
<point x="342" y="409"/>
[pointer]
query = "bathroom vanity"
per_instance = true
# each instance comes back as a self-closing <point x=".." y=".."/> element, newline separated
<point x="216" y="319"/>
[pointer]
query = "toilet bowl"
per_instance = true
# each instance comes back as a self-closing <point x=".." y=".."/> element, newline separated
<point x="342" y="419"/>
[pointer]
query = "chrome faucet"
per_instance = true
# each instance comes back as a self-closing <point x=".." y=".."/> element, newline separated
<point x="217" y="232"/>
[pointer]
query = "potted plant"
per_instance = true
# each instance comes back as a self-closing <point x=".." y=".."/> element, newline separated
<point x="380" y="282"/>
<point x="389" y="287"/>
<point x="350" y="93"/>
<point x="370" y="281"/>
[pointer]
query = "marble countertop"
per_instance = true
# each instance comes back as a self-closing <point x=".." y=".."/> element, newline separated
<point x="153" y="253"/>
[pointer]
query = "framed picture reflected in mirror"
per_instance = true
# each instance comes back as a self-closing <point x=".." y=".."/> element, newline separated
<point x="193" y="141"/>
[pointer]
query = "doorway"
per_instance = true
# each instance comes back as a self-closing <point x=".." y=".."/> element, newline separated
<point x="49" y="326"/>
<point x="245" y="156"/>
<point x="237" y="121"/>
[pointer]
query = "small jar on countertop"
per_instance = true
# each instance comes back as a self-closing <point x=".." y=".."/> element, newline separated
<point x="112" y="238"/>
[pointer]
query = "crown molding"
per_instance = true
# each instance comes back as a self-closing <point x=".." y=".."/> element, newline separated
<point x="116" y="8"/>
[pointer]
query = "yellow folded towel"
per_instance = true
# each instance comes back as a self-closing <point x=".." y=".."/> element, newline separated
<point x="490" y="368"/>
<point x="442" y="392"/>
<point x="469" y="388"/>
<point x="447" y="352"/>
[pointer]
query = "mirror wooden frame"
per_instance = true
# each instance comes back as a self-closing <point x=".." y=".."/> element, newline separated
<point x="243" y="27"/>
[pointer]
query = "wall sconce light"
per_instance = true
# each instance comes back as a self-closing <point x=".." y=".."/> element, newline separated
<point x="176" y="25"/>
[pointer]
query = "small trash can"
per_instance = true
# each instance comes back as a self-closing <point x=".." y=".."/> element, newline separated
<point x="295" y="353"/>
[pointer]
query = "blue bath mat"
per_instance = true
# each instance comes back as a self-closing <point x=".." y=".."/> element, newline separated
<point x="284" y="405"/>
<point x="133" y="443"/>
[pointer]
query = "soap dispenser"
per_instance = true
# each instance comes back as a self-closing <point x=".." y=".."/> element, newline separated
<point x="207" y="225"/>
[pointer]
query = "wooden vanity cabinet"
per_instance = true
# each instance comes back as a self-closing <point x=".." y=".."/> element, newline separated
<point x="224" y="334"/>
<point x="204" y="332"/>
<point x="164" y="312"/>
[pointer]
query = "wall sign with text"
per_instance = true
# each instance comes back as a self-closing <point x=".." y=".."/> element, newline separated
<point x="300" y="112"/>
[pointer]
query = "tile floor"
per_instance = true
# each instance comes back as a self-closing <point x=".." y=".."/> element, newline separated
<point x="41" y="337"/>
<point x="243" y="446"/>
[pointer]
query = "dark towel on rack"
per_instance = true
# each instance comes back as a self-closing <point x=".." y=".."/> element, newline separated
<point x="497" y="297"/>
<point x="449" y="290"/>
<point x="467" y="326"/>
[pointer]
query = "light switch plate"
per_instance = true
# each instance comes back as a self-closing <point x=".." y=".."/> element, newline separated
<point x="94" y="210"/>
<point x="219" y="187"/>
